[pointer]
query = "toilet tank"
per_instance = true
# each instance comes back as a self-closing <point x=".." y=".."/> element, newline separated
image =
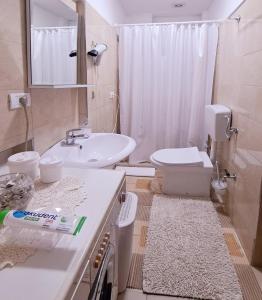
<point x="216" y="121"/>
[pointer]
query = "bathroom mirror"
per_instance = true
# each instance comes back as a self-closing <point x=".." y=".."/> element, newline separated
<point x="52" y="35"/>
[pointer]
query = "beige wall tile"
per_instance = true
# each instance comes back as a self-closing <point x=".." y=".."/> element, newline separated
<point x="250" y="10"/>
<point x="12" y="21"/>
<point x="53" y="111"/>
<point x="52" y="132"/>
<point x="13" y="72"/>
<point x="12" y="66"/>
<point x="238" y="84"/>
<point x="251" y="68"/>
<point x="12" y="123"/>
<point x="101" y="109"/>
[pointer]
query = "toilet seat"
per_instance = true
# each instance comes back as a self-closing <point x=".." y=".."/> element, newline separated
<point x="179" y="157"/>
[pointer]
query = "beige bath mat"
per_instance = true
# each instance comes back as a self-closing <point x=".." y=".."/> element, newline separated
<point x="186" y="254"/>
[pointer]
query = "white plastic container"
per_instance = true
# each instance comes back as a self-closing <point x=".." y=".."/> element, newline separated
<point x="51" y="169"/>
<point x="125" y="224"/>
<point x="25" y="162"/>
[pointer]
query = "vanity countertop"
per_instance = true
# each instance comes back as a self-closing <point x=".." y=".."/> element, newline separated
<point x="48" y="275"/>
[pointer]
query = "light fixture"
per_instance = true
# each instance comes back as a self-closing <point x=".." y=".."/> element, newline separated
<point x="179" y="5"/>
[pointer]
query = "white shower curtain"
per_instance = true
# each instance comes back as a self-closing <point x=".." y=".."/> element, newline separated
<point x="51" y="47"/>
<point x="166" y="78"/>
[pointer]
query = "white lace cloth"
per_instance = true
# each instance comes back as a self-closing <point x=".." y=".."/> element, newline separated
<point x="17" y="244"/>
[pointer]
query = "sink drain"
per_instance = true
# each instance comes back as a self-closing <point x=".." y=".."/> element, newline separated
<point x="93" y="160"/>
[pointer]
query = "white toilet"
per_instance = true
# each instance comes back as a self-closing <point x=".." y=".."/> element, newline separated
<point x="187" y="171"/>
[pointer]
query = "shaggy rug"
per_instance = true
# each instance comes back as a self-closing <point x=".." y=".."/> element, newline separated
<point x="186" y="255"/>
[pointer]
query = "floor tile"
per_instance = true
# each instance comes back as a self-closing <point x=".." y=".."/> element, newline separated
<point x="138" y="228"/>
<point x="130" y="294"/>
<point x="131" y="179"/>
<point x="136" y="247"/>
<point x="143" y="184"/>
<point x="249" y="285"/>
<point x="143" y="213"/>
<point x="156" y="186"/>
<point x="156" y="297"/>
<point x="258" y="274"/>
<point x="143" y="236"/>
<point x="233" y="247"/>
<point x="135" y="278"/>
<point x="130" y="187"/>
<point x="145" y="198"/>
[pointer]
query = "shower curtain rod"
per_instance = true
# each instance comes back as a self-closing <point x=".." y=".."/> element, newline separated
<point x="58" y="27"/>
<point x="172" y="23"/>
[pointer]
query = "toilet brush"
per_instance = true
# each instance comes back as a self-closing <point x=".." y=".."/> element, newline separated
<point x="219" y="185"/>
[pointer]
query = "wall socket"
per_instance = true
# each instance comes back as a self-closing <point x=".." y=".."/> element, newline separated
<point x="112" y="95"/>
<point x="14" y="100"/>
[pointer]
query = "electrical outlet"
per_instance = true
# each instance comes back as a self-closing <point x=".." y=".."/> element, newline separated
<point x="112" y="95"/>
<point x="14" y="100"/>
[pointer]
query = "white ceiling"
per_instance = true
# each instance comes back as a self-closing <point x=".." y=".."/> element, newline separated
<point x="165" y="7"/>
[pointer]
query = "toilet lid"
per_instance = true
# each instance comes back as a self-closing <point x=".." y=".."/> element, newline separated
<point x="179" y="156"/>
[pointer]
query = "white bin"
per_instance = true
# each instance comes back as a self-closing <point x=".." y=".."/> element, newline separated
<point x="125" y="223"/>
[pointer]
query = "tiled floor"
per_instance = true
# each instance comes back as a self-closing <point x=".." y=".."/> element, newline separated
<point x="250" y="278"/>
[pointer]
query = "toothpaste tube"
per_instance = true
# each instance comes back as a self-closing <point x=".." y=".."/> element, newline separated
<point x="42" y="221"/>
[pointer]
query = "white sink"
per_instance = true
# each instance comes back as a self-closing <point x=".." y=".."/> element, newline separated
<point x="100" y="150"/>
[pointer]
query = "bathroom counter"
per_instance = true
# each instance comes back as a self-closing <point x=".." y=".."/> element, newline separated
<point x="48" y="275"/>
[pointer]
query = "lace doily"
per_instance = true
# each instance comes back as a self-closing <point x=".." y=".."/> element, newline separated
<point x="17" y="244"/>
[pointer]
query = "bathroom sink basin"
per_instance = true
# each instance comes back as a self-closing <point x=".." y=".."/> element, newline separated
<point x="100" y="150"/>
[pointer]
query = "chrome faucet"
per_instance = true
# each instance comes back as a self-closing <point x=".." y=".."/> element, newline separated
<point x="71" y="136"/>
<point x="230" y="130"/>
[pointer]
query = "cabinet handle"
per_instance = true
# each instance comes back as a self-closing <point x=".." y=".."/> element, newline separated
<point x="96" y="263"/>
<point x="122" y="197"/>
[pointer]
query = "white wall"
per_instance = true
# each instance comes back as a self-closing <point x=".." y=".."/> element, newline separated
<point x="222" y="9"/>
<point x="142" y="18"/>
<point x="111" y="10"/>
<point x="163" y="19"/>
<point x="149" y="18"/>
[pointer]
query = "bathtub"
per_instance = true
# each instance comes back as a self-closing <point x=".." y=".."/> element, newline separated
<point x="100" y="150"/>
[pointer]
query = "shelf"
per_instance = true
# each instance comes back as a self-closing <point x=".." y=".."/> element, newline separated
<point x="67" y="86"/>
